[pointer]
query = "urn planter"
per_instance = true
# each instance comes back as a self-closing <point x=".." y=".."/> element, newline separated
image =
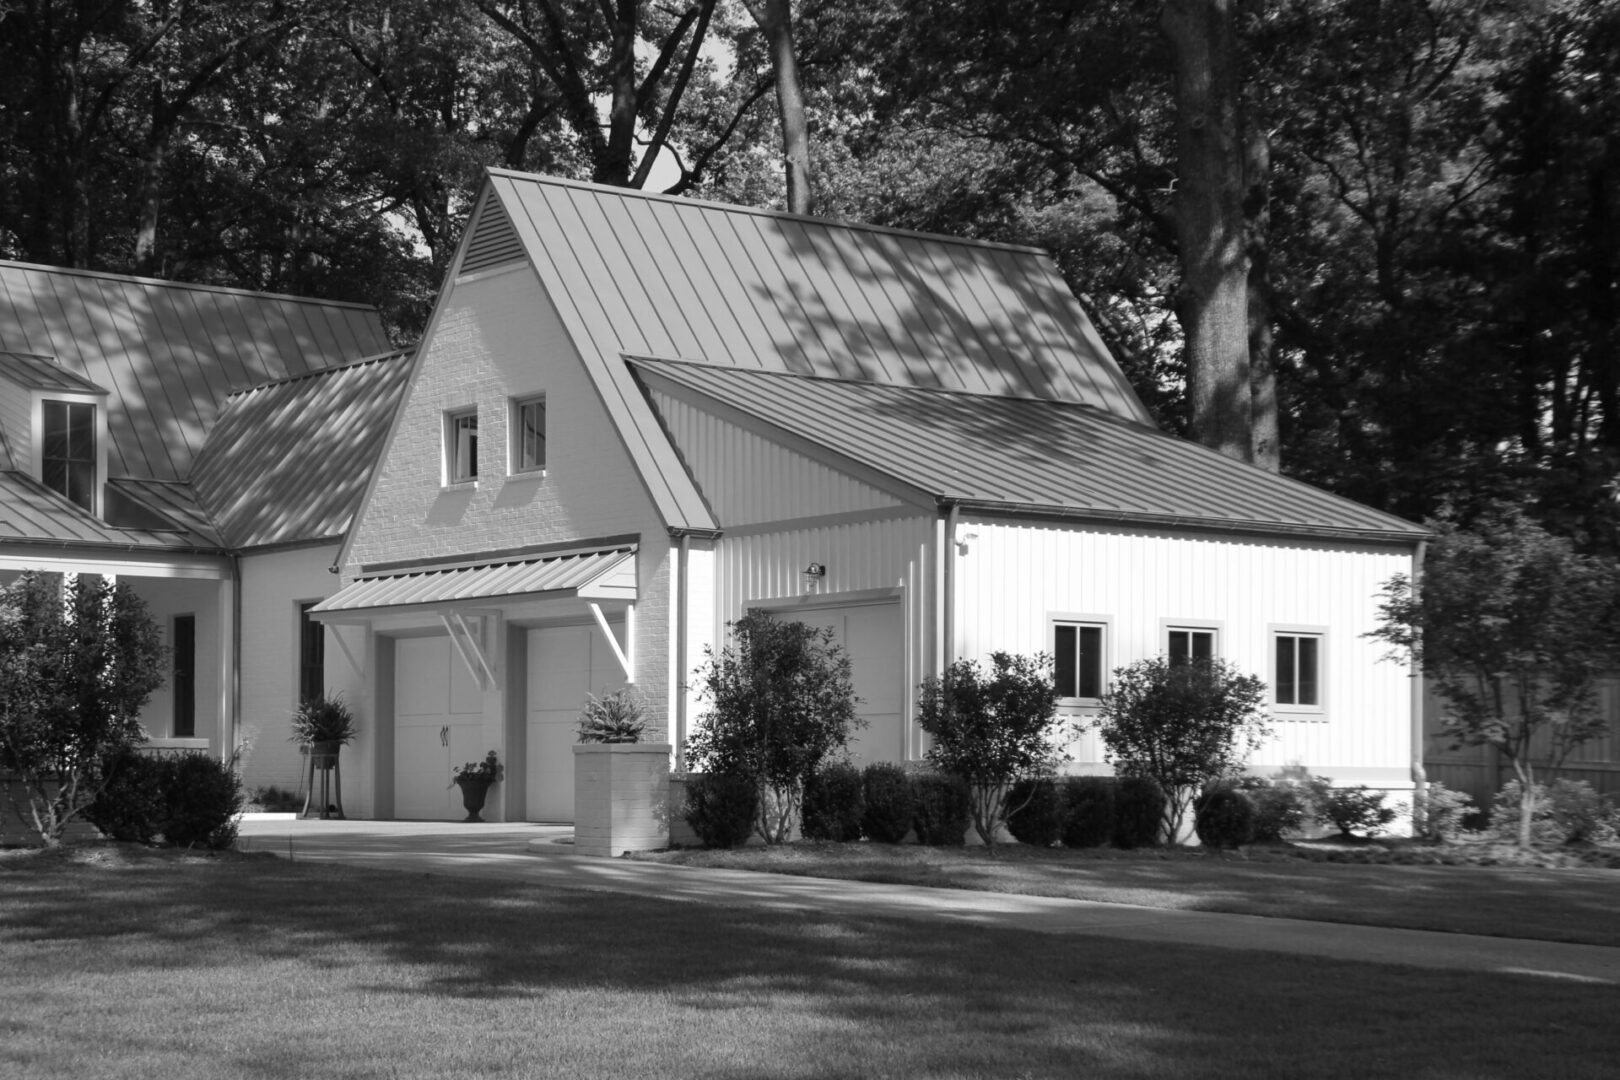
<point x="621" y="797"/>
<point x="474" y="790"/>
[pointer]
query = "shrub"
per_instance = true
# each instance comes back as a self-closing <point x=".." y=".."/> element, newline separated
<point x="1037" y="812"/>
<point x="720" y="808"/>
<point x="1088" y="811"/>
<point x="887" y="792"/>
<point x="1285" y="802"/>
<point x="833" y="803"/>
<point x="1568" y="811"/>
<point x="940" y="809"/>
<point x="132" y="805"/>
<point x="274" y="800"/>
<point x="1138" y="812"/>
<point x="1183" y="724"/>
<point x="1355" y="809"/>
<point x="780" y="703"/>
<point x="992" y="730"/>
<point x="1224" y="818"/>
<point x="1438" y="812"/>
<point x="613" y="718"/>
<point x="204" y="796"/>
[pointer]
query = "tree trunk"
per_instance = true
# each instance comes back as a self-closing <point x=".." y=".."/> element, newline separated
<point x="149" y="202"/>
<point x="1213" y="304"/>
<point x="775" y="19"/>
<point x="613" y="167"/>
<point x="1262" y="341"/>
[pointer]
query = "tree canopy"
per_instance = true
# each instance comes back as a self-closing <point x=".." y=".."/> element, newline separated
<point x="1421" y="239"/>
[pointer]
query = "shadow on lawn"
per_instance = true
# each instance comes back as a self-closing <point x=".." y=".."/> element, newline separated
<point x="852" y="997"/>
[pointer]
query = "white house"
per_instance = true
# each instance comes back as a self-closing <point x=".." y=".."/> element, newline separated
<point x="209" y="446"/>
<point x="634" y="418"/>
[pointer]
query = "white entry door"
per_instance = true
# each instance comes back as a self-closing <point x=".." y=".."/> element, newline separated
<point x="565" y="664"/>
<point x="438" y="724"/>
<point x="871" y="635"/>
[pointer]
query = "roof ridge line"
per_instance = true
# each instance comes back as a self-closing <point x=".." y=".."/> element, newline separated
<point x="319" y="372"/>
<point x="196" y="287"/>
<point x="783" y="215"/>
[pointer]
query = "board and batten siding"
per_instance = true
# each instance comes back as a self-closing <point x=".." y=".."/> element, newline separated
<point x="16" y="427"/>
<point x="1012" y="578"/>
<point x="748" y="478"/>
<point x="864" y="560"/>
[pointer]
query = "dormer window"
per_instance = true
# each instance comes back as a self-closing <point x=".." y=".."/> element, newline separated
<point x="67" y="460"/>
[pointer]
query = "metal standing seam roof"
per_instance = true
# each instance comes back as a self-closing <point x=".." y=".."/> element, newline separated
<point x="289" y="461"/>
<point x="1028" y="455"/>
<point x="168" y="354"/>
<point x="29" y="511"/>
<point x="490" y="581"/>
<point x="655" y="275"/>
<point x="33" y="372"/>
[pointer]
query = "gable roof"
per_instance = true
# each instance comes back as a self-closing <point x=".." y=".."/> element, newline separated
<point x="169" y="354"/>
<point x="1026" y="456"/>
<point x="33" y="372"/>
<point x="289" y="461"/>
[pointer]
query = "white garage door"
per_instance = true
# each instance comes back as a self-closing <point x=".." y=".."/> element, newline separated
<point x="871" y="635"/>
<point x="565" y="664"/>
<point x="438" y="724"/>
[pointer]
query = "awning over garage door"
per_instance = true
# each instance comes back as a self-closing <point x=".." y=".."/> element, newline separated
<point x="597" y="574"/>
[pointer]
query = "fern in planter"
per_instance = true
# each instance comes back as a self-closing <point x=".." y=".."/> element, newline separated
<point x="612" y="718"/>
<point x="324" y="720"/>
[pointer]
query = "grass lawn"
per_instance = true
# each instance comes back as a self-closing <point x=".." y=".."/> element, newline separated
<point x="137" y="964"/>
<point x="1575" y="905"/>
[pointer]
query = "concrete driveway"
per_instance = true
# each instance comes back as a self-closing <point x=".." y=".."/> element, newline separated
<point x="542" y="855"/>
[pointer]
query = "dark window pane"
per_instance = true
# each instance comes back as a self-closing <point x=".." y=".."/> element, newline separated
<point x="185" y="676"/>
<point x="1203" y="645"/>
<point x="1309" y="685"/>
<point x="1090" y="662"/>
<point x="1064" y="661"/>
<point x="1180" y="646"/>
<point x="1287" y="684"/>
<point x="311" y="655"/>
<point x="68" y="451"/>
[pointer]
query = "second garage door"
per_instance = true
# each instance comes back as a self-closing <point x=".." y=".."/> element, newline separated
<point x="438" y="724"/>
<point x="565" y="664"/>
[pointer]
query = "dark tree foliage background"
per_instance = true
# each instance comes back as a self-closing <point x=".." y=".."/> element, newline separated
<point x="1432" y="209"/>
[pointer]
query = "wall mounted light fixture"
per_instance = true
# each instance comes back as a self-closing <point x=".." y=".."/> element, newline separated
<point x="815" y="571"/>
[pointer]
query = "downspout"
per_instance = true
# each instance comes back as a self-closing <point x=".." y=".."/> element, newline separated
<point x="233" y="723"/>
<point x="683" y="550"/>
<point x="1420" y="778"/>
<point x="948" y="568"/>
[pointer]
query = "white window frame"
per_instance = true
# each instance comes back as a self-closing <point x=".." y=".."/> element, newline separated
<point x="1105" y="623"/>
<point x="514" y="443"/>
<point x="36" y="448"/>
<point x="1298" y="630"/>
<point x="1214" y="627"/>
<point x="451" y="458"/>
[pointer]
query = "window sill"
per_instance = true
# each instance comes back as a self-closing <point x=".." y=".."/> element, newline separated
<point x="460" y="485"/>
<point x="1306" y="713"/>
<point x="530" y="475"/>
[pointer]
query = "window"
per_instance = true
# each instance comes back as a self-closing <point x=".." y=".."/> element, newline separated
<point x="461" y="446"/>
<point x="1297" y="675"/>
<point x="1077" y="660"/>
<point x="68" y="451"/>
<point x="311" y="655"/>
<point x="183" y="640"/>
<point x="1186" y="643"/>
<point x="529" y="435"/>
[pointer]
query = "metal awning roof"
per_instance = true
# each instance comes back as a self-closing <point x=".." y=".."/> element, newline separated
<point x="601" y="574"/>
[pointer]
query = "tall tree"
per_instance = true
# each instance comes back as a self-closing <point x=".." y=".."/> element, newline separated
<point x="775" y="20"/>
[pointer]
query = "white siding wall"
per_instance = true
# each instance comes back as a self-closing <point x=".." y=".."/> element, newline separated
<point x="273" y="585"/>
<point x="166" y="598"/>
<point x="860" y="558"/>
<point x="748" y="479"/>
<point x="1013" y="576"/>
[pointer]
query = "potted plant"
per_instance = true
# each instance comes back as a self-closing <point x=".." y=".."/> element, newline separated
<point x="621" y="784"/>
<point x="322" y="726"/>
<point x="474" y="780"/>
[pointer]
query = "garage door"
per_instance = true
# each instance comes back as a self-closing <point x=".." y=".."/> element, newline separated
<point x="565" y="664"/>
<point x="871" y="634"/>
<point x="438" y="724"/>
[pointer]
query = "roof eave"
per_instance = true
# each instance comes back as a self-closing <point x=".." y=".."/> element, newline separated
<point x="1412" y="535"/>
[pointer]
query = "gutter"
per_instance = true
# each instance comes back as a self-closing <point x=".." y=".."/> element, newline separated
<point x="1176" y="521"/>
<point x="947" y="652"/>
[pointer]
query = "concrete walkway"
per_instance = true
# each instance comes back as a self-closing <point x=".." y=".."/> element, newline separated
<point x="541" y="854"/>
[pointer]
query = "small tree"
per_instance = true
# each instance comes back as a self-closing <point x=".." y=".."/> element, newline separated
<point x="75" y="670"/>
<point x="781" y="703"/>
<point x="992" y="730"/>
<point x="1183" y="724"/>
<point x="1513" y="627"/>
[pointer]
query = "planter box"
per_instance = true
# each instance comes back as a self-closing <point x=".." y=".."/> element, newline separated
<point x="621" y="797"/>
